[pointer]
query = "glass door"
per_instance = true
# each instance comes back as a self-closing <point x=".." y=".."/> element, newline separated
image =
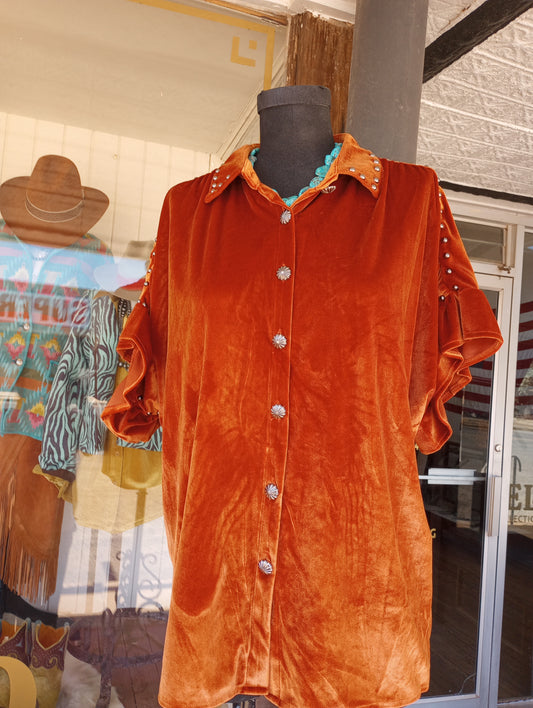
<point x="461" y="487"/>
<point x="515" y="681"/>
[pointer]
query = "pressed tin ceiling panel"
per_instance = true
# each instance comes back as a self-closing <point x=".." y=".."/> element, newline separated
<point x="476" y="119"/>
<point x="443" y="14"/>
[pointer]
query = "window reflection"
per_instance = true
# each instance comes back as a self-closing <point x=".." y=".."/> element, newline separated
<point x="516" y="677"/>
<point x="84" y="570"/>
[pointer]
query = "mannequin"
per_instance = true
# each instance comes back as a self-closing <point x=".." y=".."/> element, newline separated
<point x="299" y="539"/>
<point x="295" y="136"/>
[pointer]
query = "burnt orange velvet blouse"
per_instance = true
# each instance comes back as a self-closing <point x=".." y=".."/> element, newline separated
<point x="294" y="356"/>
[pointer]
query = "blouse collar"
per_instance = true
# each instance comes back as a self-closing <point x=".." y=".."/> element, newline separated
<point x="353" y="161"/>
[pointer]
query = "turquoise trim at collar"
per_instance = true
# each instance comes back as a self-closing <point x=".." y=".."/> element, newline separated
<point x="320" y="172"/>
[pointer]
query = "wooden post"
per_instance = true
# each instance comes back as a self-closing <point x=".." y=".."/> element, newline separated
<point x="320" y="54"/>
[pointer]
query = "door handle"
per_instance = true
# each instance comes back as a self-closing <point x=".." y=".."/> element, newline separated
<point x="492" y="520"/>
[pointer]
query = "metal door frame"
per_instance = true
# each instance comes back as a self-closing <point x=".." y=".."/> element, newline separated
<point x="497" y="493"/>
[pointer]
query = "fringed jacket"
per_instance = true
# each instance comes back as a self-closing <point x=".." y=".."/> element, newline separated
<point x="295" y="356"/>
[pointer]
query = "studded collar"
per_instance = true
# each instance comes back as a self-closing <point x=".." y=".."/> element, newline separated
<point x="352" y="160"/>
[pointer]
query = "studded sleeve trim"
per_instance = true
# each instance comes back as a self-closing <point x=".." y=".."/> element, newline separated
<point x="133" y="411"/>
<point x="467" y="329"/>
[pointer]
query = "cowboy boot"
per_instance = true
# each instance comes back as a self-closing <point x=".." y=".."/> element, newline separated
<point x="48" y="661"/>
<point x="15" y="643"/>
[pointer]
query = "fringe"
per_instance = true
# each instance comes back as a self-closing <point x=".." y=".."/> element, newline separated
<point x="32" y="578"/>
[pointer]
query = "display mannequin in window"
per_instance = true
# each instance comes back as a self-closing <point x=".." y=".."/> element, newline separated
<point x="301" y="369"/>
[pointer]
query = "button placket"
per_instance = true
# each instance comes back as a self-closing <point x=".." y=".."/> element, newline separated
<point x="278" y="340"/>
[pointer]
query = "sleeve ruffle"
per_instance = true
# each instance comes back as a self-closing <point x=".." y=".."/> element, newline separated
<point x="468" y="333"/>
<point x="132" y="412"/>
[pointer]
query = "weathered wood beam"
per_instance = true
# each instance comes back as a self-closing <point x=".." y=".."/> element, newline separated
<point x="476" y="27"/>
<point x="319" y="54"/>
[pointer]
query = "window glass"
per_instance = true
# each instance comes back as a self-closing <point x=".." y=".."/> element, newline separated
<point x="483" y="242"/>
<point x="106" y="105"/>
<point x="454" y="487"/>
<point x="516" y="648"/>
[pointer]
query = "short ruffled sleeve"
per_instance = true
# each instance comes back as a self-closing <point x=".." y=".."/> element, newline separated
<point x="458" y="316"/>
<point x="133" y="410"/>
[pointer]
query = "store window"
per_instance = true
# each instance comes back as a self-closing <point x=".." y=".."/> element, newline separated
<point x="516" y="675"/>
<point x="108" y="104"/>
<point x="483" y="242"/>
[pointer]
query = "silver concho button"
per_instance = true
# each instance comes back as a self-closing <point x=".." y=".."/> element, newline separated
<point x="285" y="216"/>
<point x="279" y="341"/>
<point x="271" y="491"/>
<point x="265" y="567"/>
<point x="283" y="272"/>
<point x="278" y="411"/>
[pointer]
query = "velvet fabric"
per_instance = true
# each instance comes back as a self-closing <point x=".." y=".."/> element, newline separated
<point x="378" y="335"/>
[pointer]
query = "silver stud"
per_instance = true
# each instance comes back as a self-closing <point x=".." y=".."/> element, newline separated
<point x="272" y="492"/>
<point x="374" y="186"/>
<point x="265" y="567"/>
<point x="376" y="162"/>
<point x="283" y="273"/>
<point x="445" y="239"/>
<point x="446" y="255"/>
<point x="146" y="283"/>
<point x="227" y="176"/>
<point x="456" y="287"/>
<point x="19" y="362"/>
<point x="352" y="169"/>
<point x="376" y="179"/>
<point x="278" y="411"/>
<point x="442" y="226"/>
<point x="149" y="270"/>
<point x="377" y="169"/>
<point x="329" y="189"/>
<point x="449" y="271"/>
<point x="217" y="170"/>
<point x="144" y="304"/>
<point x="442" y="297"/>
<point x="279" y="341"/>
<point x="372" y="154"/>
<point x="285" y="217"/>
<point x="362" y="176"/>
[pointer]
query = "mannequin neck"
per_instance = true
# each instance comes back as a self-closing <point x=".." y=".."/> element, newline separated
<point x="295" y="134"/>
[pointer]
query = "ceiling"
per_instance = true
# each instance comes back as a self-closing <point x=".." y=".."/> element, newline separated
<point x="476" y="117"/>
<point x="188" y="73"/>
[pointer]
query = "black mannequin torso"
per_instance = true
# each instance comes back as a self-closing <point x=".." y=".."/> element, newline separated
<point x="296" y="136"/>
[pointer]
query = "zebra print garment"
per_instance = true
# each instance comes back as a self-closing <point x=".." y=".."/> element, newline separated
<point x="82" y="385"/>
